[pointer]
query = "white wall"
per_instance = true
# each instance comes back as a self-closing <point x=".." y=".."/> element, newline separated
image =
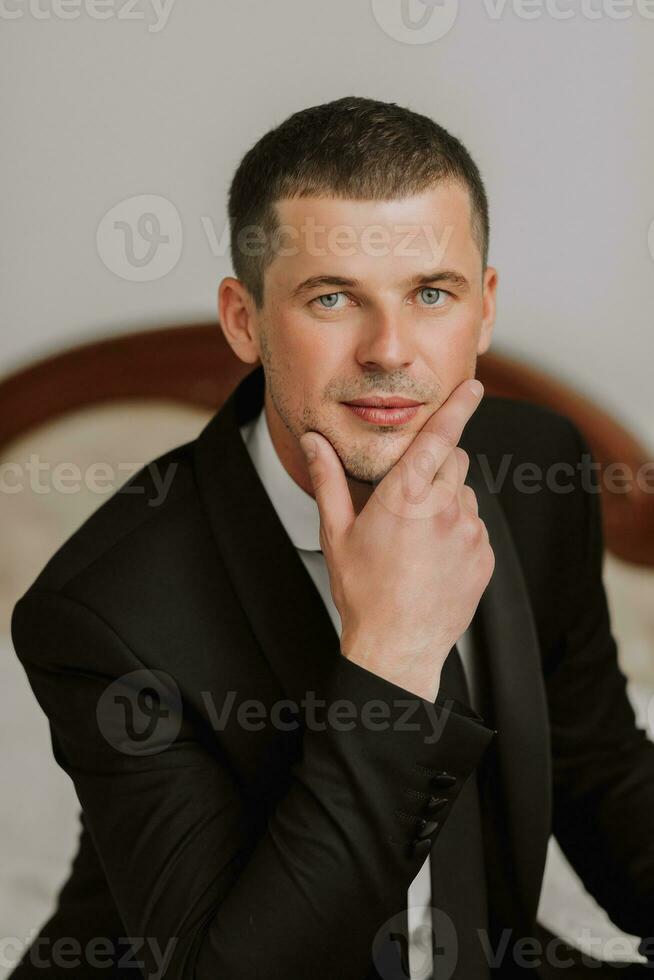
<point x="557" y="113"/>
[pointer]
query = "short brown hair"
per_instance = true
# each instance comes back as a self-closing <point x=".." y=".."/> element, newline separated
<point x="352" y="148"/>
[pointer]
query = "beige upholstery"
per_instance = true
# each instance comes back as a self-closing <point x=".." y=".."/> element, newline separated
<point x="106" y="444"/>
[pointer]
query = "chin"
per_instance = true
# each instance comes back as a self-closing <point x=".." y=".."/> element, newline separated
<point x="369" y="458"/>
<point x="368" y="471"/>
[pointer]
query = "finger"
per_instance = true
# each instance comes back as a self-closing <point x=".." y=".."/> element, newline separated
<point x="440" y="433"/>
<point x="468" y="499"/>
<point x="464" y="464"/>
<point x="446" y="486"/>
<point x="329" y="484"/>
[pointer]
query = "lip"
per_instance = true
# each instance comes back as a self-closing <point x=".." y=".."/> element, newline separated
<point x="384" y="401"/>
<point x="383" y="416"/>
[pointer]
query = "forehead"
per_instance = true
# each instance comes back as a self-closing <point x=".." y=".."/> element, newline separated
<point x="412" y="233"/>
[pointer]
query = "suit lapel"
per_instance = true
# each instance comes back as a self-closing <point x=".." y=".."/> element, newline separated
<point x="298" y="639"/>
<point x="518" y="810"/>
<point x="281" y="602"/>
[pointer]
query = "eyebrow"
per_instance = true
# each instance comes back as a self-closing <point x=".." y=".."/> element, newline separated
<point x="444" y="276"/>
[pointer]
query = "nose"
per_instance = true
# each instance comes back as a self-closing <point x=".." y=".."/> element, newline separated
<point x="386" y="343"/>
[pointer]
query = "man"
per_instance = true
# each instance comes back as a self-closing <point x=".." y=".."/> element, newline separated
<point x="323" y="706"/>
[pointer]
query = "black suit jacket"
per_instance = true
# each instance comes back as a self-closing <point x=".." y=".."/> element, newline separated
<point x="248" y="844"/>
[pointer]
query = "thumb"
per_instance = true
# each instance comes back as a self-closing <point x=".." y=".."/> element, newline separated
<point x="329" y="484"/>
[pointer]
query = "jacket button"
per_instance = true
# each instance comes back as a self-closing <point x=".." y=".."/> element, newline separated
<point x="426" y="827"/>
<point x="435" y="803"/>
<point x="442" y="779"/>
<point x="421" y="847"/>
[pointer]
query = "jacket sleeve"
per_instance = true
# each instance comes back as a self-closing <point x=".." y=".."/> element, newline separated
<point x="603" y="764"/>
<point x="303" y="897"/>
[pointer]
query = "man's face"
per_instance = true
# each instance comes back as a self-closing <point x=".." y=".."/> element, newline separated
<point x="368" y="298"/>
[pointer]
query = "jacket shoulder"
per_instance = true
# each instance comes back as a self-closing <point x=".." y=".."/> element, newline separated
<point x="538" y="464"/>
<point x="153" y="496"/>
<point x="522" y="427"/>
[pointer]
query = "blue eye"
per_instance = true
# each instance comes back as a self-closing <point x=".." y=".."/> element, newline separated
<point x="434" y="295"/>
<point x="328" y="296"/>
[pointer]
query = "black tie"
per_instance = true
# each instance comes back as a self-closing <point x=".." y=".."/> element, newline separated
<point x="458" y="874"/>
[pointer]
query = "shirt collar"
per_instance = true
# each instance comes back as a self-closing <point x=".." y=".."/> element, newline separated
<point x="296" y="509"/>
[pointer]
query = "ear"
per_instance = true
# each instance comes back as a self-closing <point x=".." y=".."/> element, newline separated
<point x="237" y="319"/>
<point x="489" y="292"/>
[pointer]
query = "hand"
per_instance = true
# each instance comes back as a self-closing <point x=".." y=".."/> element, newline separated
<point x="406" y="573"/>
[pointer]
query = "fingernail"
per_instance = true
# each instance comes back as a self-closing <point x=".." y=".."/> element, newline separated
<point x="476" y="387"/>
<point x="309" y="446"/>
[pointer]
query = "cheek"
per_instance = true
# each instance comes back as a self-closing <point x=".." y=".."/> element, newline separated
<point x="310" y="352"/>
<point x="451" y="348"/>
<point x="451" y="334"/>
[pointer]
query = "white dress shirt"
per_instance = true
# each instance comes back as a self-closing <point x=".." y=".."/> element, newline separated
<point x="299" y="514"/>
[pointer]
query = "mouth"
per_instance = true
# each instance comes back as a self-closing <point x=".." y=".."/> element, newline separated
<point x="381" y="410"/>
